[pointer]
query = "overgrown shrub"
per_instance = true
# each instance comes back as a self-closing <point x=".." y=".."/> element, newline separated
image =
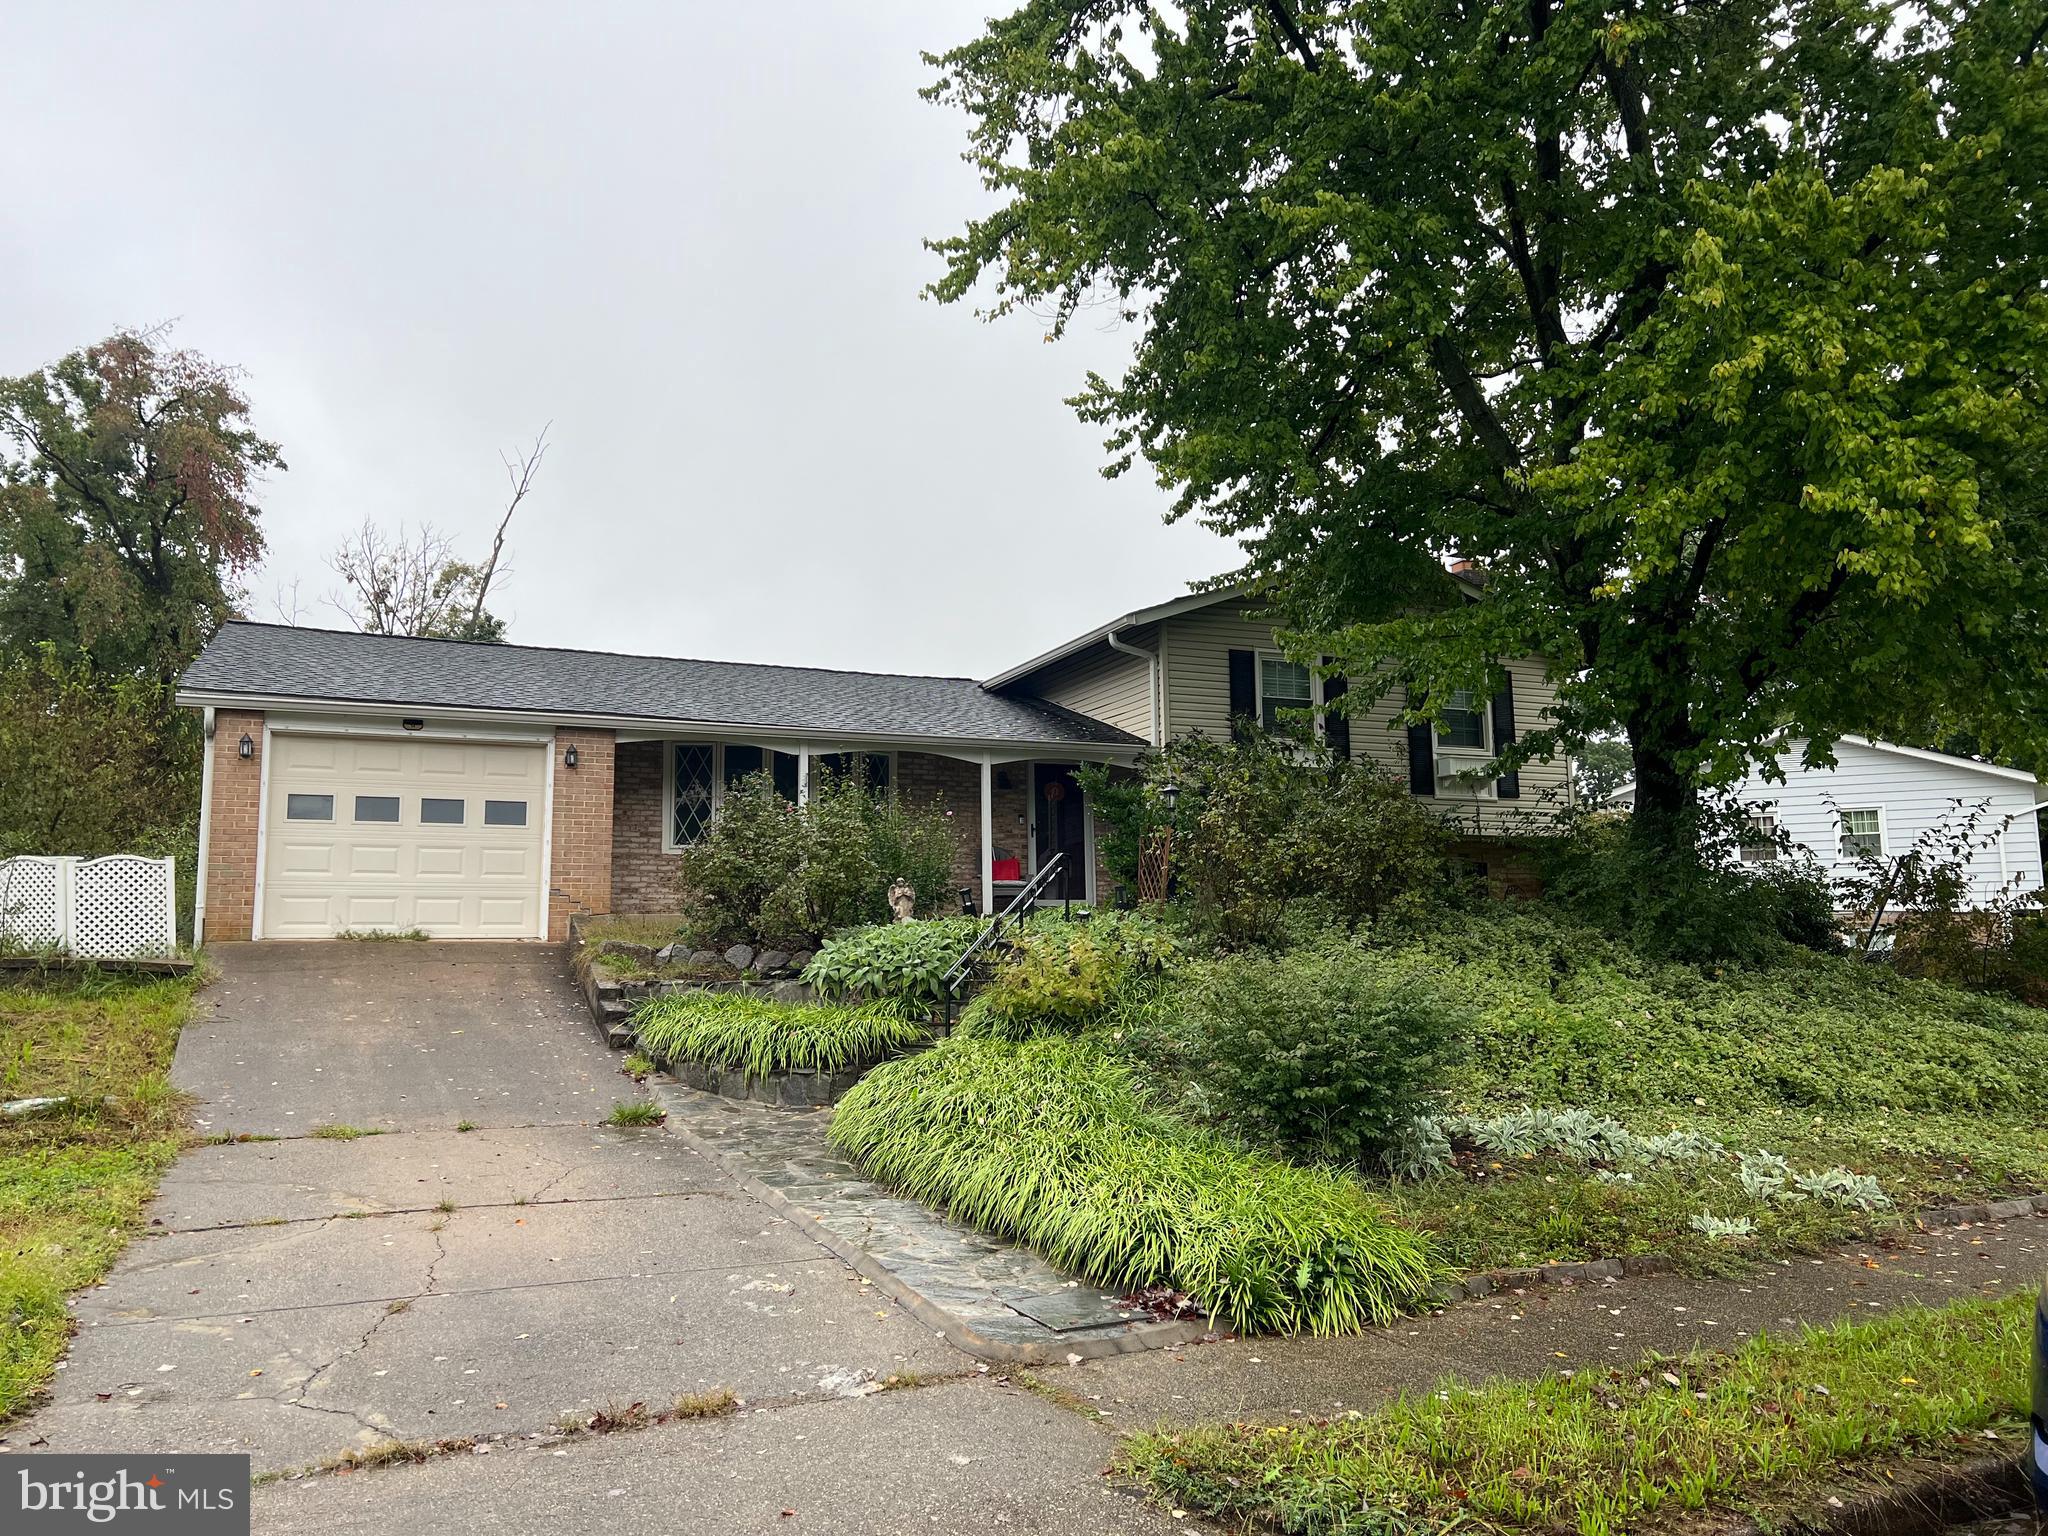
<point x="1703" y="908"/>
<point x="737" y="1033"/>
<point x="91" y="765"/>
<point x="1564" y="1015"/>
<point x="770" y="870"/>
<point x="1319" y="1050"/>
<point x="1052" y="1143"/>
<point x="1057" y="976"/>
<point x="903" y="962"/>
<point x="1266" y="822"/>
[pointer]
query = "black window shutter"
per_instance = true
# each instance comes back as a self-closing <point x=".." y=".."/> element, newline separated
<point x="1421" y="754"/>
<point x="1509" y="785"/>
<point x="1336" y="724"/>
<point x="1244" y="695"/>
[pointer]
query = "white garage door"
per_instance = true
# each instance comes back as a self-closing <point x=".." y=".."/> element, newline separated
<point x="381" y="833"/>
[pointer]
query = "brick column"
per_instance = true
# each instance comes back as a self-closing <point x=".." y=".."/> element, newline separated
<point x="231" y="826"/>
<point x="580" y="869"/>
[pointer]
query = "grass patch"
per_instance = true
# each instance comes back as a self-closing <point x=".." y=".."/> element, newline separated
<point x="384" y="935"/>
<point x="652" y="929"/>
<point x="342" y="1132"/>
<point x="1609" y="1450"/>
<point x="1051" y="1142"/>
<point x="638" y="1112"/>
<point x="637" y="1067"/>
<point x="73" y="1183"/>
<point x="752" y="1035"/>
<point x="714" y="1404"/>
<point x="465" y="1125"/>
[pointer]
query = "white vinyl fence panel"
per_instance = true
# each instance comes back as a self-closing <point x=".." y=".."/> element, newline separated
<point x="118" y="908"/>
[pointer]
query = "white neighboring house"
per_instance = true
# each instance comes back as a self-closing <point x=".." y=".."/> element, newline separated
<point x="1883" y="798"/>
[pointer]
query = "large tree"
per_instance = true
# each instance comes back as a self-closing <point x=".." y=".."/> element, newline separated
<point x="126" y="519"/>
<point x="1713" y="331"/>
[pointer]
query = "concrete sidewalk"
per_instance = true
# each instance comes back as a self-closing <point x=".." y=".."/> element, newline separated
<point x="1544" y="1330"/>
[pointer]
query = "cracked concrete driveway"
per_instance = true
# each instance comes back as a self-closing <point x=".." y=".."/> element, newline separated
<point x="299" y="1297"/>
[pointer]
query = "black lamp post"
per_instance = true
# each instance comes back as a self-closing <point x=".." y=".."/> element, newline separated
<point x="1169" y="793"/>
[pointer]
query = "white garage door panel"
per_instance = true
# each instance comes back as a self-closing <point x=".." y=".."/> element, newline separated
<point x="470" y="880"/>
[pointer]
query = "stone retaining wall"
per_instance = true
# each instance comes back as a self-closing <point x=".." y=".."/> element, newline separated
<point x="797" y="1088"/>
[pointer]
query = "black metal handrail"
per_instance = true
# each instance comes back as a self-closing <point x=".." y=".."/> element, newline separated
<point x="962" y="967"/>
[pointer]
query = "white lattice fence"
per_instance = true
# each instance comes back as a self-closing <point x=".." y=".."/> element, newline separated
<point x="117" y="908"/>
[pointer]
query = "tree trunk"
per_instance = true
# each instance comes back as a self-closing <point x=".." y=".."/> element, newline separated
<point x="1665" y="820"/>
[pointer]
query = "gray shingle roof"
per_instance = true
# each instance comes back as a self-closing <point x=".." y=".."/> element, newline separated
<point x="275" y="661"/>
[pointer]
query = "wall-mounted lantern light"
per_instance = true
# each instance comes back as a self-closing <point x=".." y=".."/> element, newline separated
<point x="569" y="758"/>
<point x="245" y="748"/>
<point x="413" y="725"/>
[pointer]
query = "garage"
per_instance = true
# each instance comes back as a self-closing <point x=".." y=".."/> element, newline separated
<point x="402" y="833"/>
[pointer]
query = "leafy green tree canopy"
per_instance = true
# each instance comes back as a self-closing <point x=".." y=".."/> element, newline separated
<point x="125" y="516"/>
<point x="1711" y="330"/>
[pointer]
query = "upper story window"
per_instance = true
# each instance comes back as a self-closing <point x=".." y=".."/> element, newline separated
<point x="1464" y="727"/>
<point x="1863" y="833"/>
<point x="1759" y="843"/>
<point x="1285" y="690"/>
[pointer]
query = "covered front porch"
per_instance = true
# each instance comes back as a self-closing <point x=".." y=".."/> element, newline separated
<point x="1010" y="811"/>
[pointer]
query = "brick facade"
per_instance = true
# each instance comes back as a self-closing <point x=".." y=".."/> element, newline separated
<point x="924" y="778"/>
<point x="231" y="826"/>
<point x="580" y="868"/>
<point x="606" y="846"/>
<point x="643" y="877"/>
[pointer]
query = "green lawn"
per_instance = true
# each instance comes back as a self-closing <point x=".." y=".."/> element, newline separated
<point x="73" y="1184"/>
<point x="1765" y="1427"/>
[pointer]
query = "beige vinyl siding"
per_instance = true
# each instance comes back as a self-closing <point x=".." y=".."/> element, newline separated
<point x="1104" y="684"/>
<point x="1195" y="648"/>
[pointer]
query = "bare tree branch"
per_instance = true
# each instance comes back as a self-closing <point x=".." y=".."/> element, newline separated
<point x="520" y="472"/>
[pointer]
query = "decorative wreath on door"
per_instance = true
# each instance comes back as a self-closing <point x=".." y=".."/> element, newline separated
<point x="1055" y="790"/>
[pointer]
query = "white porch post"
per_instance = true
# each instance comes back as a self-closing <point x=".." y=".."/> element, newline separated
<point x="803" y="774"/>
<point x="988" y="832"/>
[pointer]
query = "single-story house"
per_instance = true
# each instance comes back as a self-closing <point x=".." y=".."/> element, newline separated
<point x="1882" y="798"/>
<point x="357" y="781"/>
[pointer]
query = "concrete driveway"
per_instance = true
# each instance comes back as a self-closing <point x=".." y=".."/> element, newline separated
<point x="299" y="1297"/>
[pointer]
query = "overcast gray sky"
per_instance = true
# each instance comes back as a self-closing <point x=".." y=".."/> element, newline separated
<point x="688" y="234"/>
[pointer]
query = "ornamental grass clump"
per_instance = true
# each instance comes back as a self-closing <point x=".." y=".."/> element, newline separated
<point x="736" y="1033"/>
<point x="1051" y="1142"/>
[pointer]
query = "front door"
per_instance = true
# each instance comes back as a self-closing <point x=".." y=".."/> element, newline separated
<point x="1060" y="825"/>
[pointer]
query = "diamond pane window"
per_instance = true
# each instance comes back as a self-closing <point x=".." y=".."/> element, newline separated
<point x="694" y="778"/>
